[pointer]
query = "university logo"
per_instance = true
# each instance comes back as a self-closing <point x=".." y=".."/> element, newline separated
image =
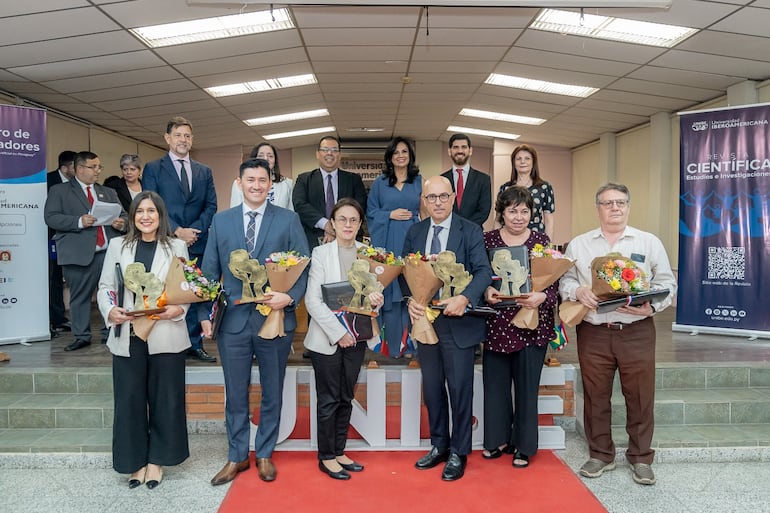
<point x="699" y="126"/>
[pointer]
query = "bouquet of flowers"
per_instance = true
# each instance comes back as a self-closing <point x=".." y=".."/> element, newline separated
<point x="613" y="276"/>
<point x="422" y="281"/>
<point x="547" y="264"/>
<point x="283" y="270"/>
<point x="185" y="283"/>
<point x="382" y="263"/>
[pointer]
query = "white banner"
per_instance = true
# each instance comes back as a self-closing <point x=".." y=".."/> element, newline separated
<point x="23" y="233"/>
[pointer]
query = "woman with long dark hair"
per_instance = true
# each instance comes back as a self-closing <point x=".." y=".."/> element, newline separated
<point x="150" y="424"/>
<point x="281" y="190"/>
<point x="392" y="208"/>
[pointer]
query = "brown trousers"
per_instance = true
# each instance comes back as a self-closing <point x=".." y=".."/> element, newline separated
<point x="630" y="351"/>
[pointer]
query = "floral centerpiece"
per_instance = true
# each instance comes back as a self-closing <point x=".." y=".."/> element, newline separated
<point x="547" y="264"/>
<point x="382" y="263"/>
<point x="283" y="270"/>
<point x="185" y="283"/>
<point x="423" y="283"/>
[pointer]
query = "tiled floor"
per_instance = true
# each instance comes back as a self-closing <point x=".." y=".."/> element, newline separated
<point x="50" y="481"/>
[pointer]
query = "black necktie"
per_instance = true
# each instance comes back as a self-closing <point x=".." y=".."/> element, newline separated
<point x="183" y="180"/>
<point x="329" y="196"/>
<point x="435" y="244"/>
<point x="251" y="233"/>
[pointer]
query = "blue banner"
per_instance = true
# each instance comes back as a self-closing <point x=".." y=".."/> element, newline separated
<point x="23" y="233"/>
<point x="724" y="219"/>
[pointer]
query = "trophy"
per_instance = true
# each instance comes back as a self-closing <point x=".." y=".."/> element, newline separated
<point x="251" y="273"/>
<point x="512" y="274"/>
<point x="363" y="283"/>
<point x="451" y="273"/>
<point x="147" y="289"/>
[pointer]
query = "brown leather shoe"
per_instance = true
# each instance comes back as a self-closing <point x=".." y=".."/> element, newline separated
<point x="229" y="471"/>
<point x="266" y="469"/>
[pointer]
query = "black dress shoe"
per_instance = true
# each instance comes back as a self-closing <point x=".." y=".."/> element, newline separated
<point x="76" y="344"/>
<point x="341" y="475"/>
<point x="352" y="467"/>
<point x="201" y="355"/>
<point x="433" y="458"/>
<point x="454" y="468"/>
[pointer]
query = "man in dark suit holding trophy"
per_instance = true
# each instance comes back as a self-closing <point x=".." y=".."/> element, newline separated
<point x="450" y="361"/>
<point x="259" y="228"/>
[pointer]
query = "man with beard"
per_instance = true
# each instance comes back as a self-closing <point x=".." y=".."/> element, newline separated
<point x="473" y="189"/>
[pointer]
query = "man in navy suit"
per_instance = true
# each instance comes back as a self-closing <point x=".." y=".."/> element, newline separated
<point x="80" y="244"/>
<point x="187" y="187"/>
<point x="57" y="318"/>
<point x="473" y="191"/>
<point x="260" y="228"/>
<point x="316" y="192"/>
<point x="449" y="363"/>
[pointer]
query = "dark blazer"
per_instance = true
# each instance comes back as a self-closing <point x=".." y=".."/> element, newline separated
<point x="467" y="242"/>
<point x="52" y="178"/>
<point x="197" y="210"/>
<point x="310" y="202"/>
<point x="280" y="230"/>
<point x="477" y="196"/>
<point x="65" y="204"/>
<point x="119" y="184"/>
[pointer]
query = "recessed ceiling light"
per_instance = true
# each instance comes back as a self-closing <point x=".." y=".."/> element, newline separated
<point x="499" y="116"/>
<point x="486" y="133"/>
<point x="214" y="28"/>
<point x="293" y="116"/>
<point x="615" y="29"/>
<point x="539" y="85"/>
<point x="364" y="129"/>
<point x="261" y="85"/>
<point x="298" y="133"/>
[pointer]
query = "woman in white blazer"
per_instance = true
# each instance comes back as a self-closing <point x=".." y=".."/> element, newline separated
<point x="150" y="425"/>
<point x="281" y="190"/>
<point x="334" y="353"/>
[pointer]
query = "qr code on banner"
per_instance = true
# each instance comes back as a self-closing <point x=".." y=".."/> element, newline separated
<point x="727" y="263"/>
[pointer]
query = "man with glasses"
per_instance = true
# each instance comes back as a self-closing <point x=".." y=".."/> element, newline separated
<point x="80" y="243"/>
<point x="473" y="189"/>
<point x="449" y="363"/>
<point x="622" y="340"/>
<point x="316" y="192"/>
<point x="187" y="187"/>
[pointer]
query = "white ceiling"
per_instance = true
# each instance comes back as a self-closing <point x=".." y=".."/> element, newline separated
<point x="76" y="56"/>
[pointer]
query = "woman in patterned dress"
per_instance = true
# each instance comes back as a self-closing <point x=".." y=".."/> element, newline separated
<point x="513" y="354"/>
<point x="526" y="173"/>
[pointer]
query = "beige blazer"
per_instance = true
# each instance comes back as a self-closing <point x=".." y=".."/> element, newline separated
<point x="166" y="336"/>
<point x="325" y="329"/>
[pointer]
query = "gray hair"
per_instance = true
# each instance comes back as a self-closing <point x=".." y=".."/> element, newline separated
<point x="128" y="158"/>
<point x="610" y="186"/>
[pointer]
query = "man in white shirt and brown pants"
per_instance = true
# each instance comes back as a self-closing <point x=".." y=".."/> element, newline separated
<point x="622" y="340"/>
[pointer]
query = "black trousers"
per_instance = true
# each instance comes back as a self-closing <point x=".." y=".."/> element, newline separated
<point x="150" y="423"/>
<point x="335" y="382"/>
<point x="507" y="419"/>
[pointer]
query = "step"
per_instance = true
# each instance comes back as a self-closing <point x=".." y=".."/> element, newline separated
<point x="56" y="411"/>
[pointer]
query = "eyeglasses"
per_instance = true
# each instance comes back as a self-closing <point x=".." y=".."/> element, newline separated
<point x="348" y="220"/>
<point x="443" y="197"/>
<point x="620" y="203"/>
<point x="329" y="150"/>
<point x="94" y="167"/>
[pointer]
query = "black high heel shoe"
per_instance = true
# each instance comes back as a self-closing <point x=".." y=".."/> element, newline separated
<point x="496" y="452"/>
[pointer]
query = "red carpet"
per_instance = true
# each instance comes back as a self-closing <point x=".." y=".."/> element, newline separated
<point x="391" y="484"/>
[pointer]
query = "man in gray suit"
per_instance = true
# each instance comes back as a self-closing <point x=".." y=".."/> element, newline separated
<point x="80" y="244"/>
<point x="260" y="228"/>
